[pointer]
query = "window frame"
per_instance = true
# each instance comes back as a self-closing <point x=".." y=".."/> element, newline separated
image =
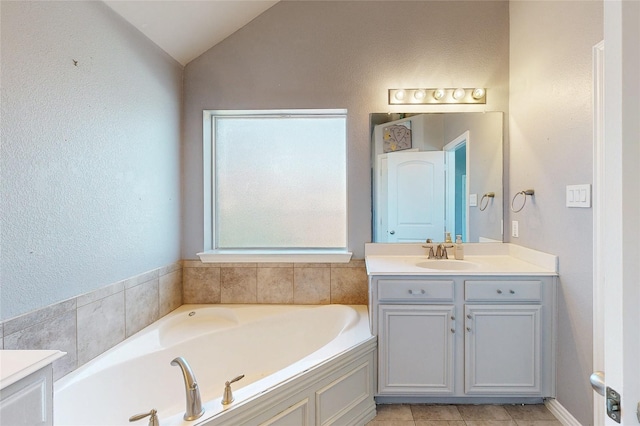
<point x="213" y="254"/>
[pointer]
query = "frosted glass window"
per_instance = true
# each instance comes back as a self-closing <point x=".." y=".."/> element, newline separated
<point x="280" y="181"/>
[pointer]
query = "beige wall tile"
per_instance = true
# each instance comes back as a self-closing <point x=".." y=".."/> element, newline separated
<point x="141" y="306"/>
<point x="238" y="285"/>
<point x="275" y="285"/>
<point x="101" y="293"/>
<point x="353" y="263"/>
<point x="167" y="269"/>
<point x="169" y="292"/>
<point x="142" y="278"/>
<point x="349" y="286"/>
<point x="312" y="286"/>
<point x="55" y="333"/>
<point x="101" y="325"/>
<point x="201" y="285"/>
<point x="36" y="317"/>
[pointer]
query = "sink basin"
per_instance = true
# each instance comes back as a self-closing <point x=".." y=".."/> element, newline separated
<point x="448" y="265"/>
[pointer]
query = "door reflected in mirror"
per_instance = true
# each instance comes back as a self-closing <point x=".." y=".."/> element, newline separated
<point x="432" y="182"/>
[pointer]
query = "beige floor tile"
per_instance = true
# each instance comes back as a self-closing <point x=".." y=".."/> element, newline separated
<point x="375" y="422"/>
<point x="435" y="412"/>
<point x="538" y="423"/>
<point x="440" y="423"/>
<point x="483" y="412"/>
<point x="490" y="423"/>
<point x="393" y="412"/>
<point x="529" y="412"/>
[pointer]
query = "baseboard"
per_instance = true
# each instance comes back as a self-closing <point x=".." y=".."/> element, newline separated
<point x="561" y="413"/>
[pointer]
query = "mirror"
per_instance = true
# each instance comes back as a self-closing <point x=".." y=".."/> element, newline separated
<point x="437" y="173"/>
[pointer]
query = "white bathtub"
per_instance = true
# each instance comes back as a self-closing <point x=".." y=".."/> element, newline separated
<point x="302" y="365"/>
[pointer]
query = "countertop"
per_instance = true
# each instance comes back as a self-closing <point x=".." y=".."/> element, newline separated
<point x="16" y="365"/>
<point x="480" y="259"/>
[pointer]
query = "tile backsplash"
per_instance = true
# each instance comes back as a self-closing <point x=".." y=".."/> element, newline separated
<point x="90" y="324"/>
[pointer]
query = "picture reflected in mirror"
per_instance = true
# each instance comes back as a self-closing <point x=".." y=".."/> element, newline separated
<point x="432" y="173"/>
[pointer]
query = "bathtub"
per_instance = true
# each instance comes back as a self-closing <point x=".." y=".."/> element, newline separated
<point x="303" y="365"/>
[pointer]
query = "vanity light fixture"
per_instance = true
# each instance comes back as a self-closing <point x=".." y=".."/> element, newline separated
<point x="420" y="96"/>
<point x="458" y="94"/>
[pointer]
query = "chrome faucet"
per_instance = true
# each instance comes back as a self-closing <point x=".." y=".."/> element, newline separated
<point x="194" y="404"/>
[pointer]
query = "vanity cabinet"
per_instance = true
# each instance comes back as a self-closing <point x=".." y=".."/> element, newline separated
<point x="417" y="353"/>
<point x="464" y="338"/>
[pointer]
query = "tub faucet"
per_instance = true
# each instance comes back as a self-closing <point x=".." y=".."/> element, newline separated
<point x="194" y="404"/>
<point x="153" y="417"/>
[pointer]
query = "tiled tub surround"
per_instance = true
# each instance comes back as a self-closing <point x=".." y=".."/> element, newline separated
<point x="88" y="325"/>
<point x="281" y="283"/>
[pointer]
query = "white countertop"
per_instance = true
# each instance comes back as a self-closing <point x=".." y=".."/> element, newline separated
<point x="16" y="365"/>
<point x="480" y="259"/>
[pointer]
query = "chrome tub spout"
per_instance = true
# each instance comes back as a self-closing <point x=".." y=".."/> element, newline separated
<point x="194" y="404"/>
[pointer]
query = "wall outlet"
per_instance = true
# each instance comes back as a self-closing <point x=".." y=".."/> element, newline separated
<point x="514" y="228"/>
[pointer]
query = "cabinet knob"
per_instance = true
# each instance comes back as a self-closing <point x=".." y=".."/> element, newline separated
<point x="453" y="330"/>
<point x="469" y="316"/>
<point x="499" y="291"/>
<point x="453" y="318"/>
<point x="512" y="292"/>
<point x="468" y="328"/>
<point x="417" y="291"/>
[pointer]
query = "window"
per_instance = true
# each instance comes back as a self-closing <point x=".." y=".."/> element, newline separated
<point x="276" y="185"/>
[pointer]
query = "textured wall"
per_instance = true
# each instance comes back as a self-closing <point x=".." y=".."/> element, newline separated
<point x="90" y="155"/>
<point x="343" y="54"/>
<point x="551" y="146"/>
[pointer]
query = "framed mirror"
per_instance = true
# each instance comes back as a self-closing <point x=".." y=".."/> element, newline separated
<point x="437" y="173"/>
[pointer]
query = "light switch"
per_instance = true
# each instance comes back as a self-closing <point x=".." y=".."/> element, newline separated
<point x="473" y="200"/>
<point x="579" y="196"/>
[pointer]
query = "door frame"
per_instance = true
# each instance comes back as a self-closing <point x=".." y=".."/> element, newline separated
<point x="598" y="225"/>
<point x="450" y="190"/>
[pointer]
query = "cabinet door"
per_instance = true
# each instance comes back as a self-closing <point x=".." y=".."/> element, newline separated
<point x="415" y="349"/>
<point x="502" y="349"/>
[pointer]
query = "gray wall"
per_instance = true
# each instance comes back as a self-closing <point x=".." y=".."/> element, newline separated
<point x="484" y="154"/>
<point x="320" y="54"/>
<point x="551" y="146"/>
<point x="90" y="155"/>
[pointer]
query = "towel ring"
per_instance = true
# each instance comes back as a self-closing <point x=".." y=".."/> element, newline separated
<point x="524" y="193"/>
<point x="488" y="197"/>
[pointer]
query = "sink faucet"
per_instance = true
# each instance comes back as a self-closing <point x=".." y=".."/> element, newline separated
<point x="440" y="252"/>
<point x="194" y="404"/>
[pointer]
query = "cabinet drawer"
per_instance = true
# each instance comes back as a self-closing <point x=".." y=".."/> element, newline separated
<point x="503" y="291"/>
<point x="409" y="290"/>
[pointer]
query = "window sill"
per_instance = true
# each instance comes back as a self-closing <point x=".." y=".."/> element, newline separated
<point x="275" y="256"/>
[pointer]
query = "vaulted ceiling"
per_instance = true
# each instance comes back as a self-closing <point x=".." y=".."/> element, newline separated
<point x="185" y="29"/>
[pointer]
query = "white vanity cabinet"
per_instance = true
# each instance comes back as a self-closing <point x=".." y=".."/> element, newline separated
<point x="464" y="338"/>
<point x="416" y="323"/>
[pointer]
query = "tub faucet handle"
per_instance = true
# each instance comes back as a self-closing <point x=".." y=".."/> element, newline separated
<point x="153" y="418"/>
<point x="227" y="398"/>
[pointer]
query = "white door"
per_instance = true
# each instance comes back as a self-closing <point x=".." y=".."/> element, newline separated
<point x="620" y="198"/>
<point x="415" y="202"/>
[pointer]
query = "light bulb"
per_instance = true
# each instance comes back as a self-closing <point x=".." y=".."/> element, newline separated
<point x="478" y="93"/>
<point x="399" y="95"/>
<point x="438" y="94"/>
<point x="419" y="94"/>
<point x="458" y="94"/>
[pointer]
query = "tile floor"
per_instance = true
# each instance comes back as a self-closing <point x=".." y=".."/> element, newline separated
<point x="463" y="415"/>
